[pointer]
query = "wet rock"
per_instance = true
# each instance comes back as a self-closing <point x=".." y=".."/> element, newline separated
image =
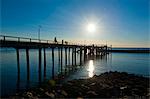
<point x="148" y="94"/>
<point x="92" y="93"/>
<point x="92" y="84"/>
<point x="41" y="89"/>
<point x="58" y="91"/>
<point x="69" y="83"/>
<point x="87" y="87"/>
<point x="29" y="94"/>
<point x="35" y="97"/>
<point x="122" y="88"/>
<point x="79" y="98"/>
<point x="38" y="95"/>
<point x="64" y="93"/>
<point x="106" y="85"/>
<point x="51" y="95"/>
<point x="58" y="85"/>
<point x="17" y="94"/>
<point x="84" y="86"/>
<point x="53" y="91"/>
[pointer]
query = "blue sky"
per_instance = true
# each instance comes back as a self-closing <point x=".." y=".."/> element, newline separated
<point x="123" y="23"/>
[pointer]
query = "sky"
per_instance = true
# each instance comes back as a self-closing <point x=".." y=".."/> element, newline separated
<point x="120" y="23"/>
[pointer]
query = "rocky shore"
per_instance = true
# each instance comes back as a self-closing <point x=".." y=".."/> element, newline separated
<point x="106" y="85"/>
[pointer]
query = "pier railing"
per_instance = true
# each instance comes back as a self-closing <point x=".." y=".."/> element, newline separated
<point x="25" y="39"/>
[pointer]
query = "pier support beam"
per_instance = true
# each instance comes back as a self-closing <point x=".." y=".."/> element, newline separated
<point x="28" y="65"/>
<point x="52" y="63"/>
<point x="18" y="68"/>
<point x="62" y="57"/>
<point x="18" y="64"/>
<point x="90" y="50"/>
<point x="72" y="56"/>
<point x="85" y="52"/>
<point x="75" y="56"/>
<point x="72" y="67"/>
<point x="44" y="63"/>
<point x="96" y="51"/>
<point x="40" y="59"/>
<point x="69" y="57"/>
<point x="80" y="56"/>
<point x="106" y="49"/>
<point x="59" y="59"/>
<point x="61" y="68"/>
<point x="65" y="59"/>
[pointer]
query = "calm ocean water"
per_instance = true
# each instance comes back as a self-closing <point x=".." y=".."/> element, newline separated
<point x="131" y="48"/>
<point x="137" y="63"/>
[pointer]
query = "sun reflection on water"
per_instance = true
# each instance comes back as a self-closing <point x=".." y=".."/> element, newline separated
<point x="91" y="68"/>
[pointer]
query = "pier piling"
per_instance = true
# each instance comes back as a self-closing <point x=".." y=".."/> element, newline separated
<point x="18" y="63"/>
<point x="65" y="59"/>
<point x="59" y="59"/>
<point x="44" y="63"/>
<point x="28" y="65"/>
<point x="75" y="56"/>
<point x="52" y="63"/>
<point x="40" y="59"/>
<point x="72" y="55"/>
<point x="80" y="56"/>
<point x="69" y="56"/>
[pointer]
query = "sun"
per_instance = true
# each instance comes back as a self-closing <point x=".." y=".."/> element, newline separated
<point x="91" y="27"/>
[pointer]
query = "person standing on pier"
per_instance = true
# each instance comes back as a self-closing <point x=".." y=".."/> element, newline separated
<point x="55" y="40"/>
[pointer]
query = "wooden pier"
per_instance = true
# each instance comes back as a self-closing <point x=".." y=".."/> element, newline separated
<point x="42" y="45"/>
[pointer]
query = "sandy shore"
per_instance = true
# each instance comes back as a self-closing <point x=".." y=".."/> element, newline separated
<point x="106" y="85"/>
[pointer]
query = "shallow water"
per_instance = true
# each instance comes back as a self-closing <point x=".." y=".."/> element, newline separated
<point x="137" y="63"/>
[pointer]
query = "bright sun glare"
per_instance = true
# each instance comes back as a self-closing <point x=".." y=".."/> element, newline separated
<point x="91" y="27"/>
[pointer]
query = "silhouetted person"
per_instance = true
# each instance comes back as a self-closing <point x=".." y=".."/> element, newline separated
<point x="66" y="42"/>
<point x="55" y="40"/>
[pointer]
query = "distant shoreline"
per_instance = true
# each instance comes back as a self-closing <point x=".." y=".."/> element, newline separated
<point x="130" y="51"/>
